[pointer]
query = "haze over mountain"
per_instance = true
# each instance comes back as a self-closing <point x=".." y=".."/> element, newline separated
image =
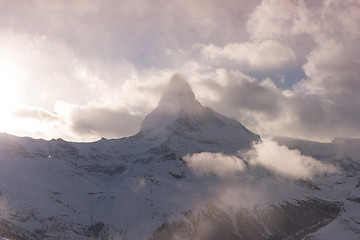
<point x="189" y="173"/>
<point x="90" y="69"/>
<point x="181" y="119"/>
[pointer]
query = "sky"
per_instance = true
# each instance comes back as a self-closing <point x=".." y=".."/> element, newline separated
<point x="81" y="70"/>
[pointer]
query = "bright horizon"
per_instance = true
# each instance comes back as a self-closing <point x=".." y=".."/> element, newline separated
<point x="83" y="70"/>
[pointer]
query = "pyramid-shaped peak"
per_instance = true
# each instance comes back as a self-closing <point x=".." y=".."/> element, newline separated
<point x="179" y="114"/>
<point x="177" y="83"/>
<point x="177" y="98"/>
<point x="178" y="91"/>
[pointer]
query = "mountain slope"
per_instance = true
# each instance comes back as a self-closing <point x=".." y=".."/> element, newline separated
<point x="344" y="187"/>
<point x="65" y="190"/>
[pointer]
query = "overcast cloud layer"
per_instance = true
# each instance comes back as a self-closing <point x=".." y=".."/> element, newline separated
<point x="82" y="70"/>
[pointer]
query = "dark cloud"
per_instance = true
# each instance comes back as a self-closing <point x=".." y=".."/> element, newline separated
<point x="104" y="122"/>
<point x="269" y="110"/>
<point x="252" y="96"/>
<point x="246" y="94"/>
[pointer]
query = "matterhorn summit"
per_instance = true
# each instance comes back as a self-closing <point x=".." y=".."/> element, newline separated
<point x="178" y="95"/>
<point x="176" y="101"/>
<point x="180" y="119"/>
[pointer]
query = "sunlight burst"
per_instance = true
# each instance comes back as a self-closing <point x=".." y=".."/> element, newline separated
<point x="10" y="75"/>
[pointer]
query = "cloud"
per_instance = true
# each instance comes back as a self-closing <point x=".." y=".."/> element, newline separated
<point x="48" y="69"/>
<point x="89" y="55"/>
<point x="270" y="19"/>
<point x="98" y="121"/>
<point x="102" y="29"/>
<point x="49" y="72"/>
<point x="329" y="93"/>
<point x="268" y="154"/>
<point x="284" y="161"/>
<point x="217" y="163"/>
<point x="36" y="113"/>
<point x="254" y="96"/>
<point x="267" y="109"/>
<point x="258" y="55"/>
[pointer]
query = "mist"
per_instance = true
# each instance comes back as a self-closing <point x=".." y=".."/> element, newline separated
<point x="217" y="163"/>
<point x="279" y="160"/>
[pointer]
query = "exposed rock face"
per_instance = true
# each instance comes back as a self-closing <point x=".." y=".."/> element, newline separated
<point x="11" y="231"/>
<point x="286" y="221"/>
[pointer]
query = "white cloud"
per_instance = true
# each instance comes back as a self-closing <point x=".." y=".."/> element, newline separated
<point x="284" y="161"/>
<point x="268" y="154"/>
<point x="280" y="20"/>
<point x="217" y="163"/>
<point x="35" y="113"/>
<point x="258" y="55"/>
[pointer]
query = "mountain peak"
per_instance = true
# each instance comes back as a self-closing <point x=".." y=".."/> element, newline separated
<point x="178" y="93"/>
<point x="179" y="115"/>
<point x="177" y="97"/>
<point x="178" y="84"/>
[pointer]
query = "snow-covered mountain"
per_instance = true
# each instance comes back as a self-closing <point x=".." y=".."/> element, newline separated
<point x="182" y="123"/>
<point x="141" y="187"/>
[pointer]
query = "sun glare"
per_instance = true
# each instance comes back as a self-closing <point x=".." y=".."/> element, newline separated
<point x="10" y="75"/>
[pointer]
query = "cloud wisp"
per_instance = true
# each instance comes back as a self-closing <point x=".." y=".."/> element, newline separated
<point x="267" y="54"/>
<point x="268" y="154"/>
<point x="285" y="161"/>
<point x="217" y="163"/>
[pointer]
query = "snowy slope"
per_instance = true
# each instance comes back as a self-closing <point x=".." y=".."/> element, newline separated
<point x="84" y="191"/>
<point x="140" y="187"/>
<point x="343" y="187"/>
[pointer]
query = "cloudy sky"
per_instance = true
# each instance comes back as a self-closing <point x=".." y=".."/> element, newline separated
<point x="80" y="69"/>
